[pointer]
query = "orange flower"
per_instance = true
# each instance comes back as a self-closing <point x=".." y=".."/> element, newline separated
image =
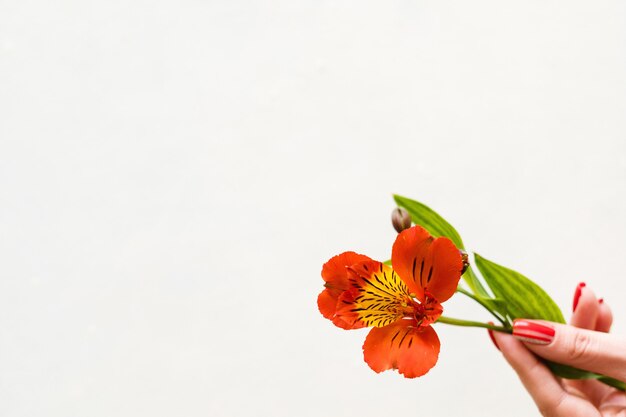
<point x="400" y="303"/>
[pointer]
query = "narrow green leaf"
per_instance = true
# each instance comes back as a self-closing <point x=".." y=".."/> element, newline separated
<point x="569" y="372"/>
<point x="495" y="304"/>
<point x="612" y="382"/>
<point x="524" y="298"/>
<point x="472" y="280"/>
<point x="429" y="219"/>
<point x="565" y="371"/>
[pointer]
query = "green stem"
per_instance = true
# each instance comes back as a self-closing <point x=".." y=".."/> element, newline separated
<point x="467" y="323"/>
<point x="482" y="303"/>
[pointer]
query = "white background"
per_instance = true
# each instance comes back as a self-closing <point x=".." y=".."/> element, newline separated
<point x="174" y="174"/>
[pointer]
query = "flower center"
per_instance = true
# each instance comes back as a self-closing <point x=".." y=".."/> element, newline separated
<point x="425" y="313"/>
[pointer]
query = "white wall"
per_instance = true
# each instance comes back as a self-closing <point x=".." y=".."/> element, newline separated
<point x="174" y="174"/>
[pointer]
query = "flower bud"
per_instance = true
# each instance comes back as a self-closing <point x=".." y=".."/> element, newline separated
<point x="465" y="259"/>
<point x="400" y="219"/>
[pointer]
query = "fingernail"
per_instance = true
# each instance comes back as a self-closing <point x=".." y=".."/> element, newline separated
<point x="533" y="332"/>
<point x="579" y="290"/>
<point x="493" y="339"/>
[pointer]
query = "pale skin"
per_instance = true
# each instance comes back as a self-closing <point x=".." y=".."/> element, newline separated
<point x="584" y="344"/>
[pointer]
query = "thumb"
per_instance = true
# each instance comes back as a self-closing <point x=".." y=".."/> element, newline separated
<point x="593" y="351"/>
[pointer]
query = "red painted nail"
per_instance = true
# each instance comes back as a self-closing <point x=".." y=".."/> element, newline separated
<point x="533" y="332"/>
<point x="579" y="290"/>
<point x="493" y="339"/>
<point x="601" y="300"/>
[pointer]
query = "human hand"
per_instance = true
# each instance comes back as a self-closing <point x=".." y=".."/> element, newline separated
<point x="585" y="344"/>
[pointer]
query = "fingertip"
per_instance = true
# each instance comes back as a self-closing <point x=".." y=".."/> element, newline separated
<point x="493" y="340"/>
<point x="586" y="309"/>
<point x="605" y="317"/>
<point x="577" y="294"/>
<point x="510" y="347"/>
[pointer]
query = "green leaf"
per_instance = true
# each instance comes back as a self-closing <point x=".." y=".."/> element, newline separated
<point x="612" y="382"/>
<point x="429" y="220"/>
<point x="495" y="304"/>
<point x="565" y="371"/>
<point x="569" y="372"/>
<point x="524" y="298"/>
<point x="472" y="280"/>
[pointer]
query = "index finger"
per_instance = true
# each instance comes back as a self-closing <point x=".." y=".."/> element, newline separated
<point x="584" y="349"/>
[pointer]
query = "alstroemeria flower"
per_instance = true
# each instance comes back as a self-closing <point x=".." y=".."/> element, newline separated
<point x="400" y="303"/>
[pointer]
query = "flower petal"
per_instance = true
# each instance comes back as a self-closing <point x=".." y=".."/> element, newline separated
<point x="335" y="275"/>
<point x="427" y="264"/>
<point x="327" y="303"/>
<point x="411" y="350"/>
<point x="377" y="296"/>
